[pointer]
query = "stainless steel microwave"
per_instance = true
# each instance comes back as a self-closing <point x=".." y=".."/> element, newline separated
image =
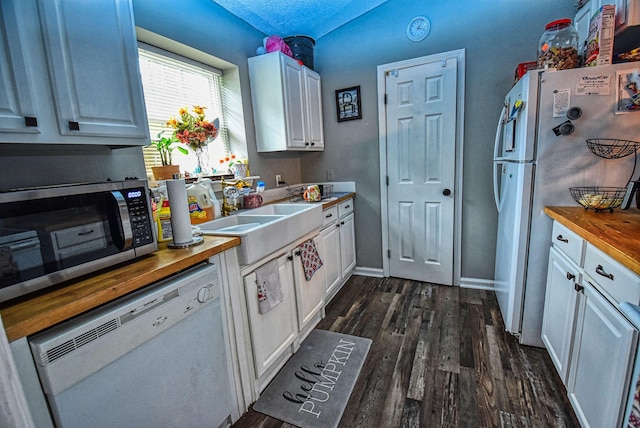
<point x="51" y="234"/>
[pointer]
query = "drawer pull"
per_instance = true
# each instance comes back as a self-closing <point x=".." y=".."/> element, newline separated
<point x="578" y="287"/>
<point x="600" y="271"/>
<point x="570" y="276"/>
<point x="562" y="239"/>
<point x="328" y="216"/>
<point x="347" y="206"/>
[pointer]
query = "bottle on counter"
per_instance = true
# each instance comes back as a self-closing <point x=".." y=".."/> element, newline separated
<point x="163" y="221"/>
<point x="558" y="46"/>
<point x="200" y="204"/>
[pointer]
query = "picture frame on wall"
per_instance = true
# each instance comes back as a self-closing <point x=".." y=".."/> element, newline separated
<point x="348" y="105"/>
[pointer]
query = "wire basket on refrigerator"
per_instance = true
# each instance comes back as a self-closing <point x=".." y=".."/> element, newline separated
<point x="598" y="198"/>
<point x="612" y="148"/>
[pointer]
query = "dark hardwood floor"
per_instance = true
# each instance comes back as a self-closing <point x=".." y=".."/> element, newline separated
<point x="440" y="358"/>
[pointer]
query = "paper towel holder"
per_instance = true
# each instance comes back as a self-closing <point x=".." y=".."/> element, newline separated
<point x="197" y="240"/>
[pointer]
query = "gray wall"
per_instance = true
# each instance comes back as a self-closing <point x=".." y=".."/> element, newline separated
<point x="496" y="35"/>
<point x="203" y="25"/>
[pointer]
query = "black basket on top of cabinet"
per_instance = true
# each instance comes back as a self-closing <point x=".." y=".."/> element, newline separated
<point x="598" y="198"/>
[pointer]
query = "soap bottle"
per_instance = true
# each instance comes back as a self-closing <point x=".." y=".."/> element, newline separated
<point x="217" y="209"/>
<point x="200" y="204"/>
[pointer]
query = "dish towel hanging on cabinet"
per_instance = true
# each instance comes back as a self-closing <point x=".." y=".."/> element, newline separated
<point x="269" y="290"/>
<point x="311" y="261"/>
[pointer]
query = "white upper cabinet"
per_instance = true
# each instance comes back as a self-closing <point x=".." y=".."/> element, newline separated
<point x="79" y="68"/>
<point x="17" y="95"/>
<point x="287" y="104"/>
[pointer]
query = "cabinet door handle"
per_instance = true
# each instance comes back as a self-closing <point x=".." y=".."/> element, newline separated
<point x="579" y="288"/>
<point x="600" y="271"/>
<point x="562" y="239"/>
<point x="289" y="258"/>
<point x="570" y="276"/>
<point x="297" y="253"/>
<point x="342" y="222"/>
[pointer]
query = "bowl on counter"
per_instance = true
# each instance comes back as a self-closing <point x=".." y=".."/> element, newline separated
<point x="598" y="198"/>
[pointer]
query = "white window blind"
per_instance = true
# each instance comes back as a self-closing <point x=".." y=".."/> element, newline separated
<point x="171" y="82"/>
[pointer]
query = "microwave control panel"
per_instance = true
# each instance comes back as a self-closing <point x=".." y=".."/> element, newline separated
<point x="139" y="216"/>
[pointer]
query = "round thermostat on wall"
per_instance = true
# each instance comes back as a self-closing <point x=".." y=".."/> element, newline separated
<point x="418" y="28"/>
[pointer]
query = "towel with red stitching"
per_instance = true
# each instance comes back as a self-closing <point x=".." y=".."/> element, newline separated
<point x="310" y="258"/>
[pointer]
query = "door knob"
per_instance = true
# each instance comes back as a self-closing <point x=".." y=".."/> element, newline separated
<point x="446" y="192"/>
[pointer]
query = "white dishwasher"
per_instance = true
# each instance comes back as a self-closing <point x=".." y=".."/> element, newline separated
<point x="155" y="358"/>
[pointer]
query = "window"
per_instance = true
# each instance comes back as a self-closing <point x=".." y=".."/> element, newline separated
<point x="171" y="82"/>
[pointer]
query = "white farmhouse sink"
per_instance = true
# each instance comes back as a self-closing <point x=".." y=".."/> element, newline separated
<point x="265" y="230"/>
<point x="240" y="223"/>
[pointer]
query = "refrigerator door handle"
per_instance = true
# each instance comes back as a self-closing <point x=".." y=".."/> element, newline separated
<point x="496" y="145"/>
<point x="497" y="164"/>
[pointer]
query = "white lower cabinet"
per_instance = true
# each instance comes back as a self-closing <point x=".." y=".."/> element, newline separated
<point x="338" y="240"/>
<point x="347" y="245"/>
<point x="590" y="342"/>
<point x="265" y="341"/>
<point x="309" y="293"/>
<point x="602" y="356"/>
<point x="560" y="307"/>
<point x="273" y="332"/>
<point x="276" y="334"/>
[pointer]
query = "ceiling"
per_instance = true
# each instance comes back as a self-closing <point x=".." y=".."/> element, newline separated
<point x="313" y="18"/>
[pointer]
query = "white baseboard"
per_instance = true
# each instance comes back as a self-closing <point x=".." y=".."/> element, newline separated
<point x="366" y="271"/>
<point x="477" y="283"/>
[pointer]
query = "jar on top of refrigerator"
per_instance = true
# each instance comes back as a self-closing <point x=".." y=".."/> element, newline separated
<point x="558" y="46"/>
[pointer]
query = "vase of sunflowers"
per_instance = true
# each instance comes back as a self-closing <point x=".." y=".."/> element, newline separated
<point x="193" y="130"/>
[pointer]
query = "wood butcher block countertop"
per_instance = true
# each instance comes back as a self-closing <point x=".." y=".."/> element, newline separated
<point x="614" y="233"/>
<point x="35" y="313"/>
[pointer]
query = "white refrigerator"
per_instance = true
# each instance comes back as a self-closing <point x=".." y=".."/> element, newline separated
<point x="535" y="165"/>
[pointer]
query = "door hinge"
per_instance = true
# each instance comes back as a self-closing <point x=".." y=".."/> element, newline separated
<point x="387" y="179"/>
<point x="388" y="254"/>
<point x="385" y="99"/>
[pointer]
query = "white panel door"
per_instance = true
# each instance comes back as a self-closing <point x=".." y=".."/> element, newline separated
<point x="421" y="136"/>
<point x="313" y="93"/>
<point x="93" y="65"/>
<point x="294" y="103"/>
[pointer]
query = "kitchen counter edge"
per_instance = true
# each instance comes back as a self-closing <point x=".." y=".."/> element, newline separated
<point x="617" y="233"/>
<point x="30" y="315"/>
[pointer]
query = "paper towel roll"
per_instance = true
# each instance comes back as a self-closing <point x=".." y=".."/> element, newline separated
<point x="179" y="204"/>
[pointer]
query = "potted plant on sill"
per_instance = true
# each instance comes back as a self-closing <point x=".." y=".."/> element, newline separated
<point x="165" y="147"/>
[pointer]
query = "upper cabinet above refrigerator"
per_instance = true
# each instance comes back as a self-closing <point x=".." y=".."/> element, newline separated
<point x="69" y="73"/>
<point x="287" y="104"/>
<point x="627" y="30"/>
